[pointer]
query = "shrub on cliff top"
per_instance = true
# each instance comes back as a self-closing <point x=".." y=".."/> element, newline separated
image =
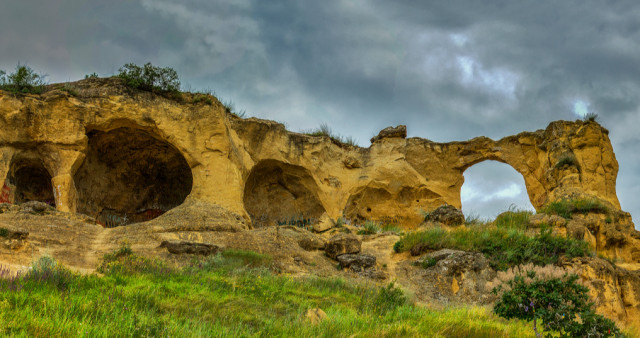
<point x="150" y="78"/>
<point x="23" y="80"/>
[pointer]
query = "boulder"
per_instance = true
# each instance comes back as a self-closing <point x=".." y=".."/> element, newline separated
<point x="36" y="207"/>
<point x="342" y="244"/>
<point x="391" y="132"/>
<point x="186" y="247"/>
<point x="311" y="243"/>
<point x="357" y="262"/>
<point x="324" y="223"/>
<point x="445" y="214"/>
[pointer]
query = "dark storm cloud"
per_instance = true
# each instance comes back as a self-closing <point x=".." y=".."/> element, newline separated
<point x="450" y="70"/>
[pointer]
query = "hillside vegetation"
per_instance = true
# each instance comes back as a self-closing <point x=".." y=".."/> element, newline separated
<point x="233" y="294"/>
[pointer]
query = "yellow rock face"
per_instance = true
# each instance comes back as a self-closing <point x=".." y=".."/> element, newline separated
<point x="123" y="156"/>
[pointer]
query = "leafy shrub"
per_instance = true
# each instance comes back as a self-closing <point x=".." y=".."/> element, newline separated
<point x="4" y="232"/>
<point x="566" y="207"/>
<point x="502" y="247"/>
<point x="556" y="303"/>
<point x="23" y="80"/>
<point x="514" y="219"/>
<point x="91" y="76"/>
<point x="389" y="298"/>
<point x="568" y="160"/>
<point x="150" y="78"/>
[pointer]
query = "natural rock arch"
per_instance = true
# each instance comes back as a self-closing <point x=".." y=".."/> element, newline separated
<point x="279" y="193"/>
<point x="508" y="197"/>
<point x="28" y="180"/>
<point x="130" y="176"/>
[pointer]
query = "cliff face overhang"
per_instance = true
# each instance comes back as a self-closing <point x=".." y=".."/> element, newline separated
<point x="111" y="153"/>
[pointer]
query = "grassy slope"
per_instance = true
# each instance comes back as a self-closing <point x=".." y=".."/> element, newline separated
<point x="222" y="297"/>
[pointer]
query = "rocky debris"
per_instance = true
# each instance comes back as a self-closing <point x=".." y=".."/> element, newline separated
<point x="445" y="214"/>
<point x="312" y="243"/>
<point x="456" y="276"/>
<point x="324" y="223"/>
<point x="391" y="132"/>
<point x="36" y="207"/>
<point x="357" y="262"/>
<point x="315" y="316"/>
<point x="186" y="247"/>
<point x="342" y="244"/>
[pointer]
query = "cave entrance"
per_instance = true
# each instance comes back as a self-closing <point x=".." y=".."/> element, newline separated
<point x="492" y="187"/>
<point x="277" y="193"/>
<point x="28" y="181"/>
<point x="129" y="176"/>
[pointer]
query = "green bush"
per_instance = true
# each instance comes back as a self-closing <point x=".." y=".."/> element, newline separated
<point x="503" y="248"/>
<point x="23" y="80"/>
<point x="91" y="76"/>
<point x="566" y="207"/>
<point x="4" y="232"/>
<point x="559" y="305"/>
<point x="150" y="78"/>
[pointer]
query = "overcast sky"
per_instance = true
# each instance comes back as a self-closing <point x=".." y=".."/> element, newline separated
<point x="449" y="70"/>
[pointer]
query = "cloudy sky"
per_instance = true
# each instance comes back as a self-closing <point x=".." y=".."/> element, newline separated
<point x="449" y="70"/>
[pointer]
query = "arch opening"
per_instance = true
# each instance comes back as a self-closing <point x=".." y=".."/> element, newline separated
<point x="129" y="176"/>
<point x="277" y="193"/>
<point x="492" y="187"/>
<point x="28" y="181"/>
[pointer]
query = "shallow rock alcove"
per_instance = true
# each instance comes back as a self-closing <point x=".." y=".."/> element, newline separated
<point x="281" y="193"/>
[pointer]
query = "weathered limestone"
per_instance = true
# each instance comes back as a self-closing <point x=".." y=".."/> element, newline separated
<point x="250" y="166"/>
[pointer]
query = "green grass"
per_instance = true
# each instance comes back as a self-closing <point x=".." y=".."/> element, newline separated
<point x="514" y="219"/>
<point x="566" y="207"/>
<point x="325" y="130"/>
<point x="219" y="296"/>
<point x="371" y="227"/>
<point x="503" y="247"/>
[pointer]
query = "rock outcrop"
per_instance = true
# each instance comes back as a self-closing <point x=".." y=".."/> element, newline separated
<point x="124" y="156"/>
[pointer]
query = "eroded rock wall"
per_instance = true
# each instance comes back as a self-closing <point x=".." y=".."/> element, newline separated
<point x="231" y="160"/>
